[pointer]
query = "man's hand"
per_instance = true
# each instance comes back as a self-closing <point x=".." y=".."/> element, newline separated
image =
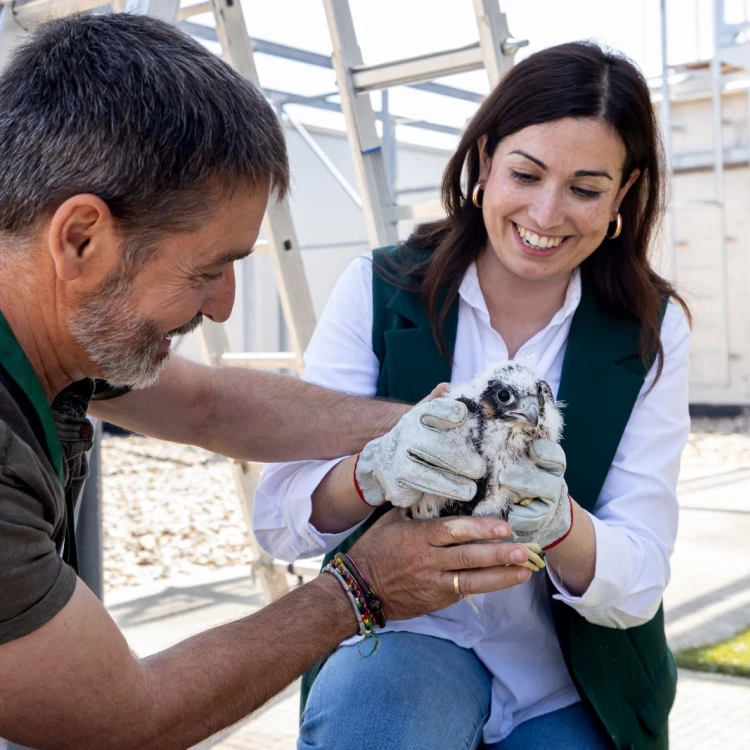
<point x="411" y="564"/>
<point x="421" y="454"/>
<point x="548" y="518"/>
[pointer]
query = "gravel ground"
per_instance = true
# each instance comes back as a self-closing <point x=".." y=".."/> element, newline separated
<point x="169" y="510"/>
<point x="172" y="510"/>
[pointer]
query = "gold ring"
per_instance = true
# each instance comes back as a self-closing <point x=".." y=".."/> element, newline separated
<point x="457" y="586"/>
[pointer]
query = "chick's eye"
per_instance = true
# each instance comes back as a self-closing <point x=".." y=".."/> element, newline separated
<point x="503" y="396"/>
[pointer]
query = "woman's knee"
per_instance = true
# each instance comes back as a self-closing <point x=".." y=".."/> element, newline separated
<point x="416" y="692"/>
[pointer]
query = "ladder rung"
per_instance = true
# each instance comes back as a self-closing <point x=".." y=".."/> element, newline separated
<point x="37" y="11"/>
<point x="419" y="211"/>
<point x="194" y="10"/>
<point x="415" y="69"/>
<point x="269" y="360"/>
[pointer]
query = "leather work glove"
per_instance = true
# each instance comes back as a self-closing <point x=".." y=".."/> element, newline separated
<point x="548" y="518"/>
<point x="422" y="454"/>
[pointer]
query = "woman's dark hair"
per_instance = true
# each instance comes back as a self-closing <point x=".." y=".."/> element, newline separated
<point x="577" y="80"/>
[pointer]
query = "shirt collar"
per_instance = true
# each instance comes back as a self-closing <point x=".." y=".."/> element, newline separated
<point x="471" y="293"/>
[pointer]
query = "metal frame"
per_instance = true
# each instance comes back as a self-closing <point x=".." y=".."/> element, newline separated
<point x="724" y="36"/>
<point x="494" y="52"/>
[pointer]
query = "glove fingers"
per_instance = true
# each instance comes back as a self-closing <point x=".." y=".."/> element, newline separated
<point x="528" y="482"/>
<point x="549" y="455"/>
<point x="457" y="459"/>
<point x="442" y="413"/>
<point x="434" y="482"/>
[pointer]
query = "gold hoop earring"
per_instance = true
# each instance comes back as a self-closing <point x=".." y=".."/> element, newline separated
<point x="618" y="228"/>
<point x="479" y="187"/>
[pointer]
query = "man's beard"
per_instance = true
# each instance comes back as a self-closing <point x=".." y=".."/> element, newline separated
<point x="124" y="347"/>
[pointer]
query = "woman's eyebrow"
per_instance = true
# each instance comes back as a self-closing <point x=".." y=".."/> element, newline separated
<point x="536" y="161"/>
<point x="593" y="173"/>
<point x="579" y="173"/>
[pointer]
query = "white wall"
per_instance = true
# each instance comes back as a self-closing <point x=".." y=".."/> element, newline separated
<point x="714" y="378"/>
<point x="330" y="230"/>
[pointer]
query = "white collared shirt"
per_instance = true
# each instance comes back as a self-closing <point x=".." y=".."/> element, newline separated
<point x="635" y="518"/>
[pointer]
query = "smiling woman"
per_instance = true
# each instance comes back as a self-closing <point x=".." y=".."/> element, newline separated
<point x="552" y="199"/>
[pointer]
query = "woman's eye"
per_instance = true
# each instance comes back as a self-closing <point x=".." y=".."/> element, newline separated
<point x="586" y="194"/>
<point x="503" y="396"/>
<point x="523" y="177"/>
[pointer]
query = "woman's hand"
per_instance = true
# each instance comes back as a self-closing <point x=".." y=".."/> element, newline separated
<point x="547" y="519"/>
<point x="412" y="564"/>
<point x="421" y="454"/>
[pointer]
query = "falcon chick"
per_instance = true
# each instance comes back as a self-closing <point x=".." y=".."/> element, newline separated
<point x="509" y="407"/>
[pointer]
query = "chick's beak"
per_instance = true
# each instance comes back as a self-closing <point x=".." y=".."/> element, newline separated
<point x="528" y="410"/>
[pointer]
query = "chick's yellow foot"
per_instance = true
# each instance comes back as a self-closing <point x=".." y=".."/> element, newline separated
<point x="536" y="559"/>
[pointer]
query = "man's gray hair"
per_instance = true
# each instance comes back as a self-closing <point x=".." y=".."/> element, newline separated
<point x="134" y="111"/>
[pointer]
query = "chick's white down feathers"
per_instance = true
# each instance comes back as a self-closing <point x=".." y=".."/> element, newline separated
<point x="509" y="407"/>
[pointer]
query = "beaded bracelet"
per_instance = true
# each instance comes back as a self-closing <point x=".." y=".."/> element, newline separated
<point x="355" y="590"/>
<point x="371" y="598"/>
<point x="364" y="618"/>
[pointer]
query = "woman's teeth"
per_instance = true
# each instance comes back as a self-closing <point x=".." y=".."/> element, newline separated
<point x="537" y="241"/>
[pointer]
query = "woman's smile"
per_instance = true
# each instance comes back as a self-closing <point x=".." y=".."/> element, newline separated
<point x="536" y="245"/>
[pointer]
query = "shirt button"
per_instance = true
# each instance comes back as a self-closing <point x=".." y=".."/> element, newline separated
<point x="86" y="431"/>
<point x="530" y="356"/>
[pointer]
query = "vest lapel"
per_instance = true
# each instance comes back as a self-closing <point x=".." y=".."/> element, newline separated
<point x="601" y="378"/>
<point x="413" y="365"/>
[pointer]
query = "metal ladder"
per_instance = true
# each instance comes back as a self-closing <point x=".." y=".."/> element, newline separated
<point x="494" y="52"/>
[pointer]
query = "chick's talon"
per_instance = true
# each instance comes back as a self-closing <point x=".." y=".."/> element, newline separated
<point x="536" y="556"/>
<point x="530" y="565"/>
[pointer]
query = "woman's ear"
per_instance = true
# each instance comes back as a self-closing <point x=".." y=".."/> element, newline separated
<point x="623" y="191"/>
<point x="485" y="161"/>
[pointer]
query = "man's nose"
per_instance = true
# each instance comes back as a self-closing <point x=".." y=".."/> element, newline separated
<point x="220" y="298"/>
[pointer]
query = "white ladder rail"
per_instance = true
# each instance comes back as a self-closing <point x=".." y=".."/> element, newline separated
<point x="494" y="52"/>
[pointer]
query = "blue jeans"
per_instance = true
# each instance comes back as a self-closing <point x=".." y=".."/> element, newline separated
<point x="422" y="693"/>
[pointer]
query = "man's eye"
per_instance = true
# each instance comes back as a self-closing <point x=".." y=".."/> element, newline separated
<point x="213" y="276"/>
<point x="503" y="396"/>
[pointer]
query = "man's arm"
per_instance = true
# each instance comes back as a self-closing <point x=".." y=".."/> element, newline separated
<point x="250" y="415"/>
<point x="74" y="683"/>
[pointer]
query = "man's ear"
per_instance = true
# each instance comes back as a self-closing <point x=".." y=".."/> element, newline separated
<point x="80" y="233"/>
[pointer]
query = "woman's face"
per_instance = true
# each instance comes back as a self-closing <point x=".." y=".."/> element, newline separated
<point x="551" y="191"/>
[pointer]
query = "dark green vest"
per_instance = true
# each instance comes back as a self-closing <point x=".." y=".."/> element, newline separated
<point x="626" y="677"/>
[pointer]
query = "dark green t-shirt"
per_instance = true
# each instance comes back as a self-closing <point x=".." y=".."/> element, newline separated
<point x="35" y="583"/>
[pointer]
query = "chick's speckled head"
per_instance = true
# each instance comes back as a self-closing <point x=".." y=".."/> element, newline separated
<point x="513" y="394"/>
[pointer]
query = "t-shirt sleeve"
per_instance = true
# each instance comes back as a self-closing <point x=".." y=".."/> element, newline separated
<point x="35" y="584"/>
<point x="103" y="391"/>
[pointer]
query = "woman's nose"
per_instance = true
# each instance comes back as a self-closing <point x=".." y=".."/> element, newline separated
<point x="546" y="210"/>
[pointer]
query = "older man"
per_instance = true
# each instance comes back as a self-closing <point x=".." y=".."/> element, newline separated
<point x="136" y="168"/>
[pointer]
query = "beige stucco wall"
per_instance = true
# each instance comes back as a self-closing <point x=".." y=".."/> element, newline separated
<point x="715" y="378"/>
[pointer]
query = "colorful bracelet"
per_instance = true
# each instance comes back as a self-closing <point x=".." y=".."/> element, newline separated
<point x="353" y="590"/>
<point x="371" y="598"/>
